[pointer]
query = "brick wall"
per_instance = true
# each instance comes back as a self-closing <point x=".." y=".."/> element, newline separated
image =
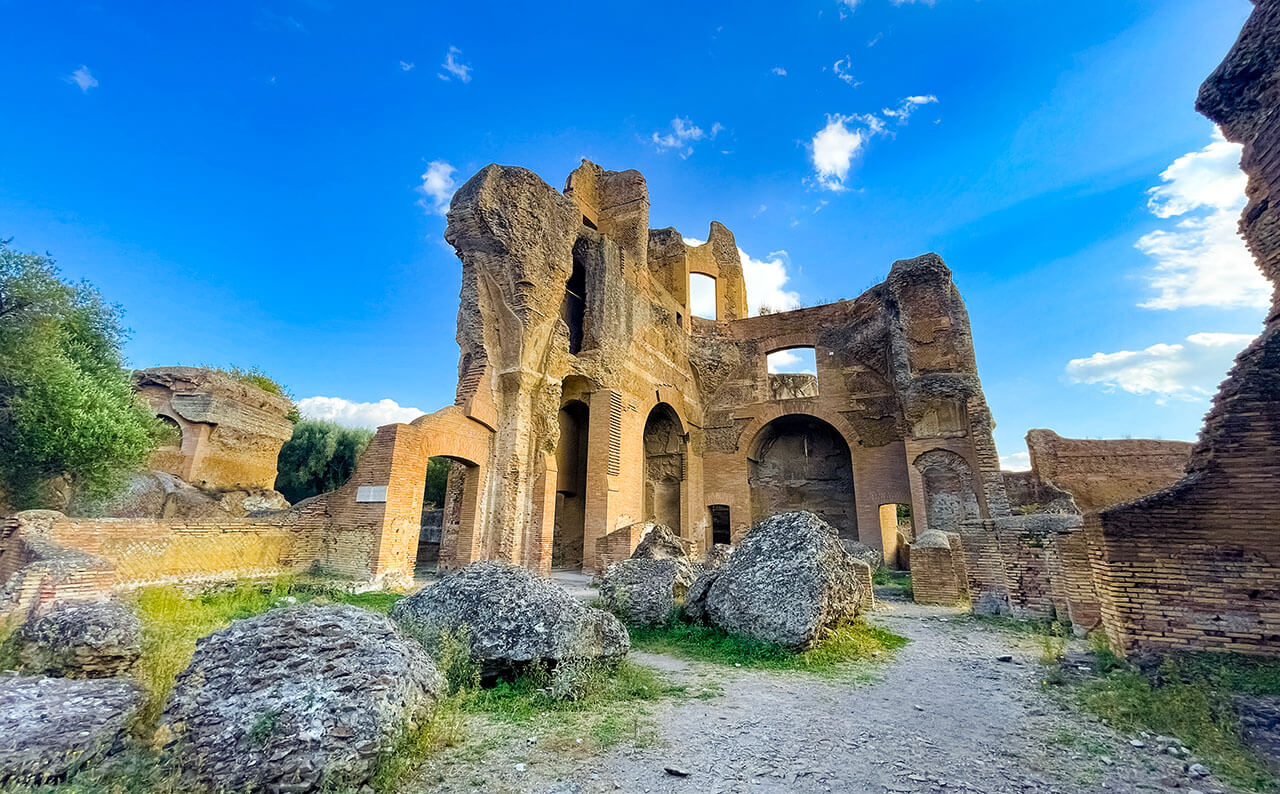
<point x="1197" y="565"/>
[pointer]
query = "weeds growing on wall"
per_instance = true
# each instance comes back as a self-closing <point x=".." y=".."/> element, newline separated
<point x="1189" y="697"/>
<point x="852" y="642"/>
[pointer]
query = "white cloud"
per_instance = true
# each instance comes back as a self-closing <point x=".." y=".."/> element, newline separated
<point x="702" y="296"/>
<point x="913" y="2"/>
<point x="83" y="78"/>
<point x="797" y="361"/>
<point x="454" y="67"/>
<point x="847" y="7"/>
<point x="1188" y="371"/>
<point x="683" y="135"/>
<point x="908" y="106"/>
<point x="834" y="147"/>
<point x="843" y="70"/>
<point x="765" y="279"/>
<point x="437" y="187"/>
<point x="353" y="414"/>
<point x="1018" y="461"/>
<point x="779" y="71"/>
<point x="406" y="65"/>
<point x="1201" y="260"/>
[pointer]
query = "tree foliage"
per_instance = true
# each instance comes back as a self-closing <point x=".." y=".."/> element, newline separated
<point x="67" y="408"/>
<point x="320" y="457"/>
<point x="437" y="480"/>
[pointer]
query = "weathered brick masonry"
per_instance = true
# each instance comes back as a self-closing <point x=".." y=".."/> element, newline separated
<point x="1197" y="565"/>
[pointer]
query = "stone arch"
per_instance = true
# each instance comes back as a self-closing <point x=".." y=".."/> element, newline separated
<point x="172" y="439"/>
<point x="665" y="447"/>
<point x="949" y="494"/>
<point x="798" y="461"/>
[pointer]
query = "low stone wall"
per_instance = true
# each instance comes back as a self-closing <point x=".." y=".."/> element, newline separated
<point x="1099" y="473"/>
<point x="1032" y="566"/>
<point x="1196" y="566"/>
<point x="46" y="555"/>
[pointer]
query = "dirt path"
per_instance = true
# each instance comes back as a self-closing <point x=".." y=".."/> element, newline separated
<point x="943" y="716"/>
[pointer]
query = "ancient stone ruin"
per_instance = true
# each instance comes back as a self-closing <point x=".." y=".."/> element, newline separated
<point x="593" y="401"/>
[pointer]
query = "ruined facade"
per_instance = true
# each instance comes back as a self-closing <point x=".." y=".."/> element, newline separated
<point x="225" y="434"/>
<point x="590" y="398"/>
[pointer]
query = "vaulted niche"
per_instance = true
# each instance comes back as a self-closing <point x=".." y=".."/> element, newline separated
<point x="568" y="534"/>
<point x="702" y="296"/>
<point x="573" y="309"/>
<point x="799" y="462"/>
<point x="793" y="373"/>
<point x="664" y="447"/>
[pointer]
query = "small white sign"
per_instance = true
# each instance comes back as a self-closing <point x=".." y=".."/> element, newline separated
<point x="371" y="493"/>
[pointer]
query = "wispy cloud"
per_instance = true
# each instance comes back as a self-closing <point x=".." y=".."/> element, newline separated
<point x="843" y="69"/>
<point x="455" y="67"/>
<point x="355" y="414"/>
<point x="83" y="78"/>
<point x="1180" y="371"/>
<point x="437" y="187"/>
<point x="847" y="7"/>
<point x="406" y="65"/>
<point x="1201" y="260"/>
<point x="268" y="19"/>
<point x="765" y="280"/>
<point x="796" y="361"/>
<point x="907" y="106"/>
<point x="838" y="144"/>
<point x="779" y="71"/>
<point x="684" y="133"/>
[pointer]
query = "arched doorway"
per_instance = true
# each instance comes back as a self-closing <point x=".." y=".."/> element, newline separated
<point x="663" y="466"/>
<point x="799" y="462"/>
<point x="568" y="533"/>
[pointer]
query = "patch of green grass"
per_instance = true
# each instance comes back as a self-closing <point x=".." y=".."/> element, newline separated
<point x="9" y="644"/>
<point x="1190" y="697"/>
<point x="852" y="642"/>
<point x="884" y="576"/>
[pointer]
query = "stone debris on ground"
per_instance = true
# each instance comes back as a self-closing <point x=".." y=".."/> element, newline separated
<point x="81" y="639"/>
<point x="50" y="727"/>
<point x="788" y="582"/>
<point x="512" y="618"/>
<point x="298" y="699"/>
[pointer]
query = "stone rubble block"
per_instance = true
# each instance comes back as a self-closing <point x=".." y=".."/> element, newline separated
<point x="512" y="618"/>
<point x="299" y="699"/>
<point x="51" y="727"/>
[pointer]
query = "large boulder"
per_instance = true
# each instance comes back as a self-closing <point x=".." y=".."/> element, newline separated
<point x="50" y="727"/>
<point x="81" y="639"/>
<point x="511" y="618"/>
<point x="788" y="582"/>
<point x="872" y="557"/>
<point x="660" y="542"/>
<point x="298" y="699"/>
<point x="643" y="592"/>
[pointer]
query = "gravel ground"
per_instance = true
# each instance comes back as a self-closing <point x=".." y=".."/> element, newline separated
<point x="944" y="715"/>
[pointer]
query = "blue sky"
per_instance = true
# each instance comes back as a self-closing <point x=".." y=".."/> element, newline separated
<point x="260" y="183"/>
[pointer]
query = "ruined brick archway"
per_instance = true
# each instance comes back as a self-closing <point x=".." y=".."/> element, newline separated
<point x="801" y="462"/>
